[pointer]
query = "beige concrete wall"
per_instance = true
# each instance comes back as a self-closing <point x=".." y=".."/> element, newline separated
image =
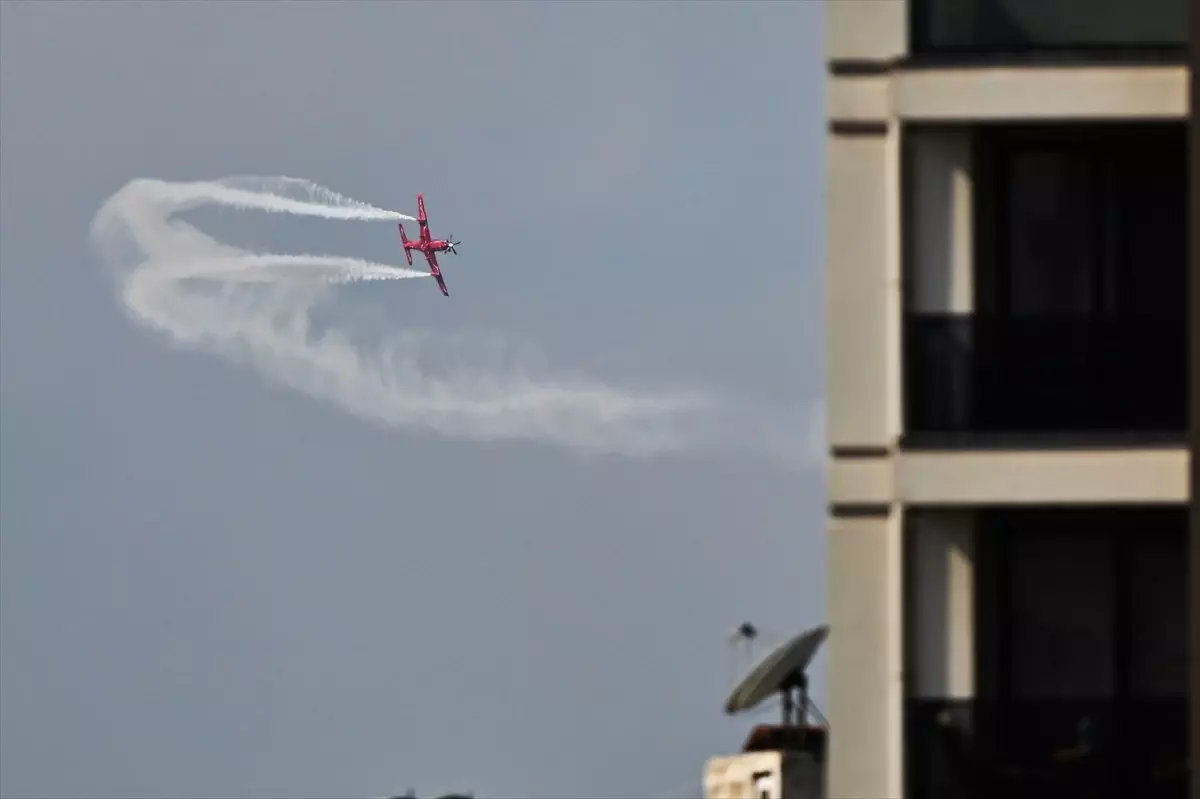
<point x="860" y="98"/>
<point x="782" y="775"/>
<point x="1002" y="93"/>
<point x="1029" y="93"/>
<point x="866" y="30"/>
<point x="860" y="195"/>
<point x="1031" y="477"/>
<point x="1019" y="477"/>
<point x="862" y="481"/>
<point x="864" y="703"/>
<point x="865" y="651"/>
<point x="732" y="777"/>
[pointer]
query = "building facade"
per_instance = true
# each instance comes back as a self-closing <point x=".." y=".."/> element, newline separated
<point x="1007" y="211"/>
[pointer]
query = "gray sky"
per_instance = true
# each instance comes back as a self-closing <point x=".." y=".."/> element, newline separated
<point x="213" y="585"/>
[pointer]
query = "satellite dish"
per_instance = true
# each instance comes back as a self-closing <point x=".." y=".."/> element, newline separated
<point x="782" y="671"/>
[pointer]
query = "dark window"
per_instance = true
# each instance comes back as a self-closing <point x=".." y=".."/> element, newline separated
<point x="1080" y="316"/>
<point x="1092" y="638"/>
<point x="1081" y="682"/>
<point x="1158" y="619"/>
<point x="1093" y="225"/>
<point x="1052" y="241"/>
<point x="1025" y="26"/>
<point x="1061" y="630"/>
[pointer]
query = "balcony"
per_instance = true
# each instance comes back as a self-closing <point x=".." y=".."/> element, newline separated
<point x="1046" y="298"/>
<point x="1078" y="628"/>
<point x="1114" y="28"/>
<point x="970" y="379"/>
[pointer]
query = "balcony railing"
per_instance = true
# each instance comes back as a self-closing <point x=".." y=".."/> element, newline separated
<point x="1026" y="26"/>
<point x="1102" y="749"/>
<point x="968" y="376"/>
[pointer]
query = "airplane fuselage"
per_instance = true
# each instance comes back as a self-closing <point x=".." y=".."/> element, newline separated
<point x="433" y="245"/>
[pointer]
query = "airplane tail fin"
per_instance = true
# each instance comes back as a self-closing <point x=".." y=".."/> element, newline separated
<point x="404" y="240"/>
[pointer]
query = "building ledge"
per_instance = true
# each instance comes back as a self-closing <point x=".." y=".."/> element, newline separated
<point x="1128" y="468"/>
<point x="1113" y="476"/>
<point x="1050" y="92"/>
<point x="971" y="92"/>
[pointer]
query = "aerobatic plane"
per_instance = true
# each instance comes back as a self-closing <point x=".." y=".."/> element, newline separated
<point x="428" y="245"/>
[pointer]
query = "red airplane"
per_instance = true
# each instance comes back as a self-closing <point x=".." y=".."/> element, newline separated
<point x="428" y="245"/>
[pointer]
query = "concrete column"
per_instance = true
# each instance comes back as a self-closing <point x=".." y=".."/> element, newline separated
<point x="865" y="706"/>
<point x="942" y="272"/>
<point x="862" y="194"/>
<point x="866" y="30"/>
<point x="863" y="224"/>
<point x="941" y="620"/>
<point x="865" y="647"/>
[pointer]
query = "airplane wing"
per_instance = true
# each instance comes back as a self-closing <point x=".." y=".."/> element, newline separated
<point x="404" y="243"/>
<point x="436" y="271"/>
<point x="422" y="218"/>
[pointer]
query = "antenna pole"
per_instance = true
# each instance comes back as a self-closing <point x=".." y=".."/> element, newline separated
<point x="803" y="685"/>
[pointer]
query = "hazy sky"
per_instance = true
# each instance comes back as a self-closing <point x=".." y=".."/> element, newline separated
<point x="214" y="585"/>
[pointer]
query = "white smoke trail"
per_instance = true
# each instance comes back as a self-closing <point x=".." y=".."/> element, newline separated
<point x="254" y="308"/>
<point x="282" y="195"/>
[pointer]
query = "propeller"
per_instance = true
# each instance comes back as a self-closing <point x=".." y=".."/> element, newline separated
<point x="452" y="244"/>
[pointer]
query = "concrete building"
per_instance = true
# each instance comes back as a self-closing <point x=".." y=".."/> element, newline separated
<point x="1007" y="389"/>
